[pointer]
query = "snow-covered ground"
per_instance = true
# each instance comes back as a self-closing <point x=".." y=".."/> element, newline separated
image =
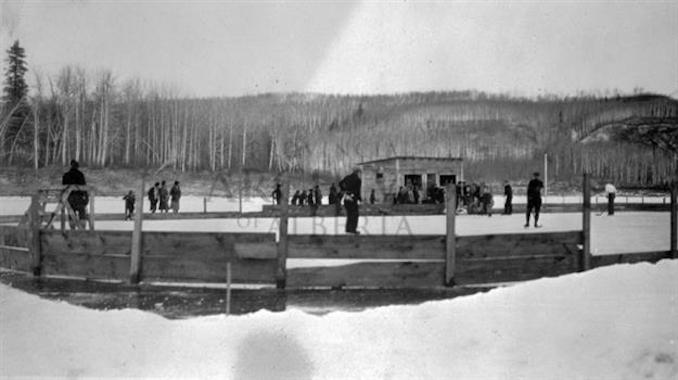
<point x="616" y="322"/>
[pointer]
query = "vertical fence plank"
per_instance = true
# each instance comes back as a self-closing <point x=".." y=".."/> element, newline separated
<point x="91" y="210"/>
<point x="674" y="219"/>
<point x="135" y="256"/>
<point x="450" y="242"/>
<point x="585" y="260"/>
<point x="281" y="273"/>
<point x="34" y="245"/>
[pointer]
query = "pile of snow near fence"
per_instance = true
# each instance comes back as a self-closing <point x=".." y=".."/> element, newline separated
<point x="617" y="322"/>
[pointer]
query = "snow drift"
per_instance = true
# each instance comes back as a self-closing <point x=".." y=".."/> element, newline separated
<point x="616" y="322"/>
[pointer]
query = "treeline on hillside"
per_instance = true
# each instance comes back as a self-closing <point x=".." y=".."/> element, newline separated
<point x="105" y="122"/>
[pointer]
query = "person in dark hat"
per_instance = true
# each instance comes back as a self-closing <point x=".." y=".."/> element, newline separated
<point x="534" y="189"/>
<point x="350" y="187"/>
<point x="508" y="193"/>
<point x="77" y="199"/>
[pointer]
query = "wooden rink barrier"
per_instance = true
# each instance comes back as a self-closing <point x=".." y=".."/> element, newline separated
<point x="380" y="261"/>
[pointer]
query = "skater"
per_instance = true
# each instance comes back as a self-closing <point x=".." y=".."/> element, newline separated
<point x="153" y="195"/>
<point x="508" y="192"/>
<point x="318" y="196"/>
<point x="295" y="198"/>
<point x="164" y="198"/>
<point x="276" y="194"/>
<point x="534" y="189"/>
<point x="487" y="200"/>
<point x="302" y="198"/>
<point x="350" y="186"/>
<point x="611" y="192"/>
<point x="333" y="194"/>
<point x="129" y="205"/>
<point x="175" y="196"/>
<point x="77" y="199"/>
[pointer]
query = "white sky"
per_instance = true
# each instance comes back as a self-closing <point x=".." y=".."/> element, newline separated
<point x="233" y="48"/>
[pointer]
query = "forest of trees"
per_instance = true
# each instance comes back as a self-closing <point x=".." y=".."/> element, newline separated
<point x="104" y="121"/>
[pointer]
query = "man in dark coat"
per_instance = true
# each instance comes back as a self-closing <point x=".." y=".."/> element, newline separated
<point x="350" y="186"/>
<point x="164" y="198"/>
<point x="333" y="194"/>
<point x="508" y="205"/>
<point x="318" y="196"/>
<point x="77" y="199"/>
<point x="175" y="196"/>
<point x="534" y="189"/>
<point x="276" y="194"/>
<point x="153" y="196"/>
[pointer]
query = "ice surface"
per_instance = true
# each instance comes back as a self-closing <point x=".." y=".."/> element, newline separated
<point x="616" y="322"/>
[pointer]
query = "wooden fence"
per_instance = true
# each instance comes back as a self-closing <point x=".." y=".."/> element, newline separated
<point x="380" y="261"/>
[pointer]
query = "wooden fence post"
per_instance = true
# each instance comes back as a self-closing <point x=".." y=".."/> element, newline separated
<point x="34" y="243"/>
<point x="135" y="256"/>
<point x="585" y="259"/>
<point x="91" y="211"/>
<point x="674" y="219"/>
<point x="281" y="273"/>
<point x="450" y="237"/>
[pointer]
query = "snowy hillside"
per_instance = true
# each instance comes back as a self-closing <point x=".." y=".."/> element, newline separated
<point x="615" y="322"/>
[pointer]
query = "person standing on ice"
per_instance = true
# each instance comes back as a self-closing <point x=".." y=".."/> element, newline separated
<point x="175" y="196"/>
<point x="129" y="205"/>
<point x="534" y="189"/>
<point x="276" y="194"/>
<point x="164" y="197"/>
<point x="350" y="187"/>
<point x="508" y="205"/>
<point x="153" y="194"/>
<point x="611" y="192"/>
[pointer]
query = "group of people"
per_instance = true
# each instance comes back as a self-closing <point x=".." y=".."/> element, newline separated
<point x="348" y="191"/>
<point x="161" y="199"/>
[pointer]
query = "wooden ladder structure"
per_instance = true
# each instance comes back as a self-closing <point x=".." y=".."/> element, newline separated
<point x="63" y="208"/>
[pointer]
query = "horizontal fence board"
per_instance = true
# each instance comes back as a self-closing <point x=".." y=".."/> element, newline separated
<point x="370" y="275"/>
<point x="208" y="245"/>
<point x="13" y="236"/>
<point x="366" y="247"/>
<point x="15" y="260"/>
<point x="501" y="245"/>
<point x="91" y="266"/>
<point x="527" y="268"/>
<point x="169" y="268"/>
<point x="86" y="242"/>
<point x="628" y="258"/>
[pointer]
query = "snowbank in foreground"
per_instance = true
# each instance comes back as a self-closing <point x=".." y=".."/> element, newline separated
<point x="613" y="323"/>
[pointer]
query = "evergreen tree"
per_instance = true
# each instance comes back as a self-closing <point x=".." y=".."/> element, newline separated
<point x="15" y="109"/>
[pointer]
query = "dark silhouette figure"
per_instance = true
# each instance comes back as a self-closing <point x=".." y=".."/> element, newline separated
<point x="318" y="196"/>
<point x="77" y="199"/>
<point x="175" y="196"/>
<point x="350" y="187"/>
<point x="611" y="194"/>
<point x="508" y="205"/>
<point x="154" y="196"/>
<point x="302" y="198"/>
<point x="295" y="198"/>
<point x="276" y="194"/>
<point x="373" y="197"/>
<point x="534" y="189"/>
<point x="333" y="194"/>
<point x="130" y="200"/>
<point x="164" y="198"/>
